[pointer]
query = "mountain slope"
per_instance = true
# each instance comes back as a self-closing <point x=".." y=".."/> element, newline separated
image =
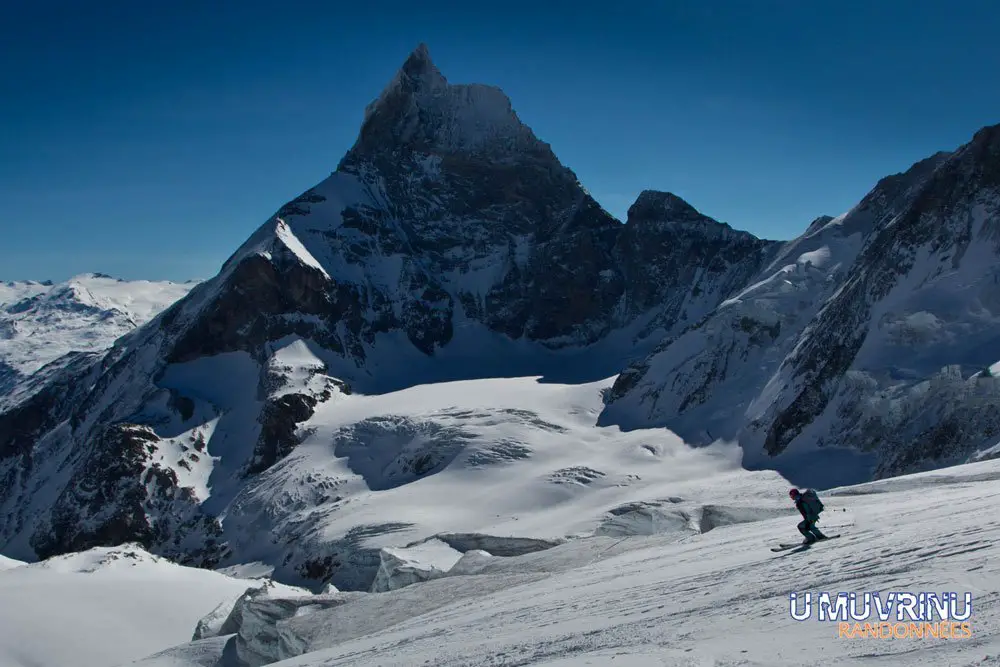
<point x="449" y="244"/>
<point x="860" y="338"/>
<point x="701" y="381"/>
<point x="923" y="304"/>
<point x="718" y="597"/>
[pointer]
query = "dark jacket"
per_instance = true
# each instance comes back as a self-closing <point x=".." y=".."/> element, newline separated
<point x="800" y="505"/>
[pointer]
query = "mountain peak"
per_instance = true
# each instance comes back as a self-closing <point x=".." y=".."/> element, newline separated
<point x="420" y="111"/>
<point x="654" y="205"/>
<point x="817" y="224"/>
<point x="418" y="74"/>
<point x="420" y="68"/>
<point x="989" y="135"/>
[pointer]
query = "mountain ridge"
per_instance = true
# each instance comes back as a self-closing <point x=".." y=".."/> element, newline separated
<point x="801" y="322"/>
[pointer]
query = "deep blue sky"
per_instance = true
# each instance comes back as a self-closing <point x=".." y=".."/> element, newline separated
<point x="147" y="140"/>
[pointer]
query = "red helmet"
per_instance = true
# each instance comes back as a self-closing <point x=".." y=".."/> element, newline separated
<point x="793" y="493"/>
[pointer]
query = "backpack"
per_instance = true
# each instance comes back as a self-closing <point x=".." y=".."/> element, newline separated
<point x="812" y="502"/>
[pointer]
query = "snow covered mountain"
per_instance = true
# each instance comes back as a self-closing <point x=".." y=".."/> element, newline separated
<point x="449" y="244"/>
<point x="41" y="322"/>
<point x="680" y="597"/>
<point x="421" y="357"/>
<point x="862" y="350"/>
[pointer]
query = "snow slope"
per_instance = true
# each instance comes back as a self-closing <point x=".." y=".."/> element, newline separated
<point x="700" y="598"/>
<point x="104" y="606"/>
<point x="8" y="563"/>
<point x="495" y="457"/>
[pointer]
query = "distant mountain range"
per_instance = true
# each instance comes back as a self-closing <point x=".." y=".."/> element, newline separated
<point x="41" y="322"/>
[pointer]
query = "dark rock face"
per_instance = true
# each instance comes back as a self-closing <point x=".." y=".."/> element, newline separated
<point x="51" y="395"/>
<point x="279" y="419"/>
<point x="8" y="375"/>
<point x="95" y="492"/>
<point x="116" y="496"/>
<point x="247" y="311"/>
<point x="681" y="262"/>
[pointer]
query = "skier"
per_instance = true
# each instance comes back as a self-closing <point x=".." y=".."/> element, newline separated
<point x="809" y="506"/>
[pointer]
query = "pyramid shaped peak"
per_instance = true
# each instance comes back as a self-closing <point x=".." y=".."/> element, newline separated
<point x="663" y="206"/>
<point x="419" y="59"/>
<point x="418" y="73"/>
<point x="420" y="111"/>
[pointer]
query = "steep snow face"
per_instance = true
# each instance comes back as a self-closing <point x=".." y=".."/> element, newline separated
<point x="859" y="337"/>
<point x="103" y="607"/>
<point x="701" y="382"/>
<point x="663" y="600"/>
<point x="41" y="322"/>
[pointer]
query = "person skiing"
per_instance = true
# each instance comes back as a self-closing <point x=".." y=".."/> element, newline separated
<point x="809" y="506"/>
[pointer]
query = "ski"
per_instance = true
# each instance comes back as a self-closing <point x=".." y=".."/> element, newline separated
<point x="784" y="547"/>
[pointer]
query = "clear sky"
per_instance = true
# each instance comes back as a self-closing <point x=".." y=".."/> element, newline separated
<point x="148" y="140"/>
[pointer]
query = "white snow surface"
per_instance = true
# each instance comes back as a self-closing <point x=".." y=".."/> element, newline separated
<point x="8" y="563"/>
<point x="103" y="607"/>
<point x="699" y="598"/>
<point x="40" y="323"/>
<point x="506" y="458"/>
